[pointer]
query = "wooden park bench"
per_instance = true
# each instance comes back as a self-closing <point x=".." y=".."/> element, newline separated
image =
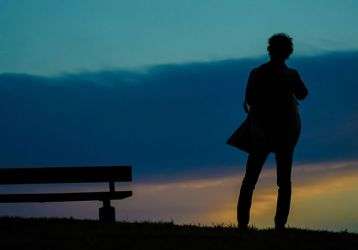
<point x="56" y="175"/>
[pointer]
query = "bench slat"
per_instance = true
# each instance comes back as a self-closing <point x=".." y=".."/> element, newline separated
<point x="62" y="197"/>
<point x="65" y="174"/>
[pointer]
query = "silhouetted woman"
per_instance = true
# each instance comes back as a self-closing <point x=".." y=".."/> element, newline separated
<point x="271" y="102"/>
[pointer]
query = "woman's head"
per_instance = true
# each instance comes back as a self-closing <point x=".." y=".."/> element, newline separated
<point x="280" y="46"/>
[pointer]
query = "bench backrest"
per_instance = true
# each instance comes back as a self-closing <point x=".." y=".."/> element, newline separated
<point x="65" y="175"/>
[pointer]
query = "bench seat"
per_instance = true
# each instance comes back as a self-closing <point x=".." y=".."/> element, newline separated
<point x="62" y="197"/>
<point x="62" y="175"/>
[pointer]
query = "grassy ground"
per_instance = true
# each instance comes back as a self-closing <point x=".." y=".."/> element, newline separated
<point x="18" y="233"/>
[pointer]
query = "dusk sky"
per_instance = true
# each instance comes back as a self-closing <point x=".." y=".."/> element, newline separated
<point x="51" y="37"/>
<point x="159" y="85"/>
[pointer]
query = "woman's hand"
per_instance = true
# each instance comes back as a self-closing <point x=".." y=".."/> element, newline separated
<point x="246" y="107"/>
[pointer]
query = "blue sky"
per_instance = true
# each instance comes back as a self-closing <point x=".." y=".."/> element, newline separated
<point x="170" y="121"/>
<point x="50" y="37"/>
<point x="159" y="85"/>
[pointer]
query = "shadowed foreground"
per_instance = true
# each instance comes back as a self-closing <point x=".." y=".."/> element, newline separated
<point x="85" y="234"/>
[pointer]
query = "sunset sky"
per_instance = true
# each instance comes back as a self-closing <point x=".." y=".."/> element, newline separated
<point x="159" y="84"/>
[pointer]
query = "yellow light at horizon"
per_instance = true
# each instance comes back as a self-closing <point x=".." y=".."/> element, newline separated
<point x="323" y="197"/>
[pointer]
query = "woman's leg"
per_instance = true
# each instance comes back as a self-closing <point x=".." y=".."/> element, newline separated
<point x="284" y="169"/>
<point x="254" y="165"/>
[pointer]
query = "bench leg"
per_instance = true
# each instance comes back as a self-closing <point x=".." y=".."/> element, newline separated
<point x="107" y="213"/>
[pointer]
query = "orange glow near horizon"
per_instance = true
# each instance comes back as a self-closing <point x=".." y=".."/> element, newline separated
<point x="324" y="197"/>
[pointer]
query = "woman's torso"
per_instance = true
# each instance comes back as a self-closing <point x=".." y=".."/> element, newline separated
<point x="274" y="108"/>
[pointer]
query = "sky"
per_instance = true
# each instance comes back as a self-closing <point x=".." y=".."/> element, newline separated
<point x="51" y="37"/>
<point x="159" y="85"/>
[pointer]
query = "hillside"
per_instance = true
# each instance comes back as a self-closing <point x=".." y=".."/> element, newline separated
<point x="19" y="233"/>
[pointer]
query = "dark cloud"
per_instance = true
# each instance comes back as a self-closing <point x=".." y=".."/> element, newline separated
<point x="168" y="119"/>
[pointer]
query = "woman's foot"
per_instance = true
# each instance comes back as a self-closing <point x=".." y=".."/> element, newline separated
<point x="243" y="227"/>
<point x="280" y="227"/>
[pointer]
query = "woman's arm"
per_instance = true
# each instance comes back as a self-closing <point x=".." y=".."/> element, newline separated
<point x="299" y="89"/>
<point x="248" y="100"/>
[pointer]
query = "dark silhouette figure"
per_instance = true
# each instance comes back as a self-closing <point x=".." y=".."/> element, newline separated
<point x="271" y="103"/>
